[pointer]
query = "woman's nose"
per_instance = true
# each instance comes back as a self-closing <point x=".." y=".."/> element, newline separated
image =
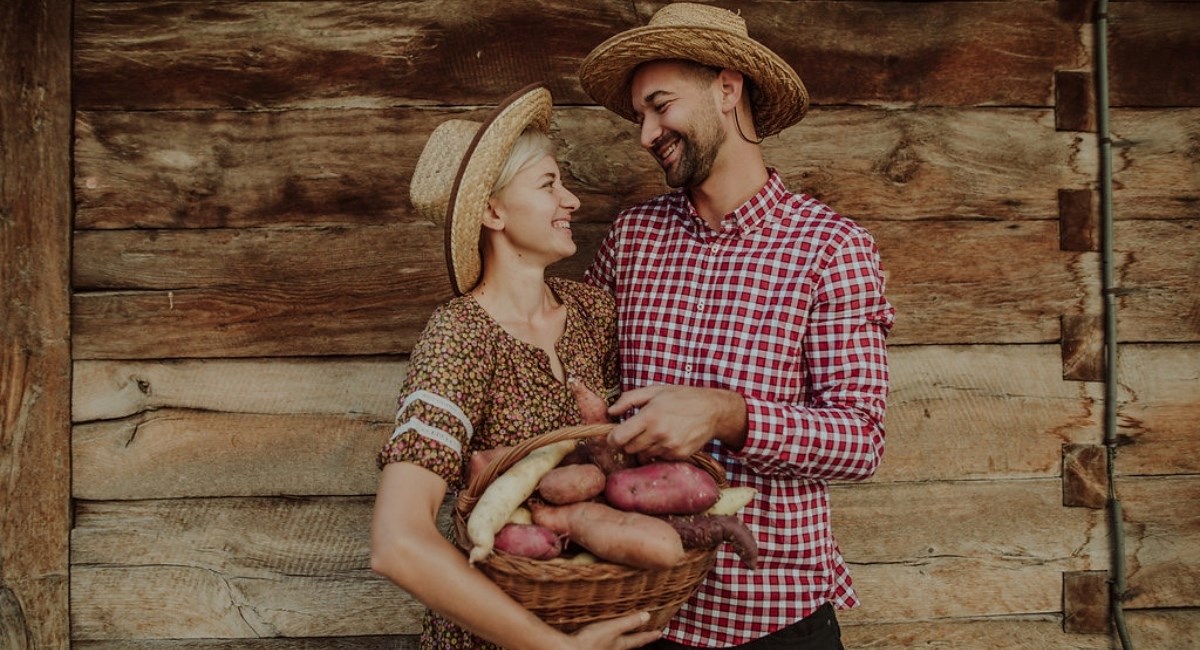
<point x="569" y="200"/>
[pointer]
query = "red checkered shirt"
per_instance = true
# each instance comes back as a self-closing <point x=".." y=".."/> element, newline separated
<point x="784" y="305"/>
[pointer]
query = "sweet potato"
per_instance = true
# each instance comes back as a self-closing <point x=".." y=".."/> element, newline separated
<point x="506" y="493"/>
<point x="732" y="499"/>
<point x="571" y="483"/>
<point x="662" y="488"/>
<point x="608" y="458"/>
<point x="710" y="531"/>
<point x="592" y="407"/>
<point x="529" y="540"/>
<point x="628" y="538"/>
<point x="481" y="459"/>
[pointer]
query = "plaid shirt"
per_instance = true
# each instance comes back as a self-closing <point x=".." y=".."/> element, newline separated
<point x="785" y="306"/>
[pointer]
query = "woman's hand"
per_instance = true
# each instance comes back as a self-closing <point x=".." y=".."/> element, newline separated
<point x="615" y="634"/>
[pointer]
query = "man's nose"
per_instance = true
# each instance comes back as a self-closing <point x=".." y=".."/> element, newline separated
<point x="650" y="131"/>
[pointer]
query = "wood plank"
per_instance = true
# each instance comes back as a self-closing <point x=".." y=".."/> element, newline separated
<point x="307" y="54"/>
<point x="1020" y="409"/>
<point x="1159" y="409"/>
<point x="318" y="54"/>
<point x="35" y="355"/>
<point x="352" y="167"/>
<point x="1156" y="162"/>
<point x="297" y="567"/>
<point x="1162" y="540"/>
<point x="155" y="455"/>
<point x="230" y="568"/>
<point x="1009" y="632"/>
<point x="1162" y="628"/>
<point x="372" y="290"/>
<point x="1158" y="263"/>
<point x="396" y="642"/>
<point x="1141" y="37"/>
<point x="356" y="387"/>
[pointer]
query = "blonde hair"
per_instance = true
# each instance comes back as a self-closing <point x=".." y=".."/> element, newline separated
<point x="531" y="146"/>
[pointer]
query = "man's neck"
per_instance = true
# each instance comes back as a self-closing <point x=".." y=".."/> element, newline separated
<point x="733" y="181"/>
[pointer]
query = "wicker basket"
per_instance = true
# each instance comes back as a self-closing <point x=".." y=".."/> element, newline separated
<point x="567" y="595"/>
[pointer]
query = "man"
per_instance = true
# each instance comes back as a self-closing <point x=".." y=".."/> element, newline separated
<point x="752" y="320"/>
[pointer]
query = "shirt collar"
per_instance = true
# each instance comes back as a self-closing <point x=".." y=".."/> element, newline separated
<point x="747" y="217"/>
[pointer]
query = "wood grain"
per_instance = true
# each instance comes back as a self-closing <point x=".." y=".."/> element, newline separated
<point x="352" y="166"/>
<point x="307" y="54"/>
<point x="1142" y="35"/>
<point x="1159" y="409"/>
<point x="1162" y="530"/>
<point x="35" y="361"/>
<point x="1156" y="162"/>
<point x="1158" y="263"/>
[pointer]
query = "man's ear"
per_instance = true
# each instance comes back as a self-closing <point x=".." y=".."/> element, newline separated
<point x="493" y="218"/>
<point x="730" y="84"/>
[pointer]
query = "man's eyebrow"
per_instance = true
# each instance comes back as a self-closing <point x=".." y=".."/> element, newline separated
<point x="650" y="98"/>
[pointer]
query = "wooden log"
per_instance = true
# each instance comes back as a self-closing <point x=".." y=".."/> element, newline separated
<point x="1036" y="632"/>
<point x="308" y="54"/>
<point x="352" y="167"/>
<point x="358" y="387"/>
<point x="1079" y="220"/>
<point x="35" y="354"/>
<point x="1162" y="628"/>
<point x="1005" y="410"/>
<point x="1142" y="35"/>
<point x="372" y="290"/>
<point x="391" y="642"/>
<point x="231" y="568"/>
<point x="170" y="453"/>
<point x="1159" y="409"/>
<point x="1083" y="347"/>
<point x="1085" y="476"/>
<point x="1158" y="263"/>
<point x="319" y="54"/>
<point x="1075" y="100"/>
<point x="1156" y="157"/>
<point x="1162" y="531"/>
<point x="1086" y="606"/>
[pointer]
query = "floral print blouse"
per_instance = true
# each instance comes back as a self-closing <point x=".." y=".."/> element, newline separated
<point x="473" y="386"/>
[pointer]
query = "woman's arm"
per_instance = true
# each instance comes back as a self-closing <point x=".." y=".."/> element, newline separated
<point x="408" y="549"/>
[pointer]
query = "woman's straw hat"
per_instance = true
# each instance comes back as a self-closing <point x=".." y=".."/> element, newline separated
<point x="705" y="34"/>
<point x="458" y="167"/>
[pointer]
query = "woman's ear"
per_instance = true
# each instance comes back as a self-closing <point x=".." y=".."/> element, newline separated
<point x="493" y="216"/>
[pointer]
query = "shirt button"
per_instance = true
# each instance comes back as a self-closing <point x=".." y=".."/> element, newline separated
<point x="688" y="368"/>
<point x="715" y="248"/>
<point x="700" y="306"/>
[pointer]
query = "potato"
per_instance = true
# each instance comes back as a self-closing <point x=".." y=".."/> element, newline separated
<point x="662" y="488"/>
<point x="732" y="499"/>
<point x="710" y="531"/>
<point x="571" y="483"/>
<point x="628" y="538"/>
<point x="592" y="407"/>
<point x="529" y="540"/>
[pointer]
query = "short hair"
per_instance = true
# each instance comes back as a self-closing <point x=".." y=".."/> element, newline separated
<point x="531" y="146"/>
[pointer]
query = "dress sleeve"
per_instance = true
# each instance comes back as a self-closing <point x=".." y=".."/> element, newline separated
<point x="838" y="433"/>
<point x="443" y="398"/>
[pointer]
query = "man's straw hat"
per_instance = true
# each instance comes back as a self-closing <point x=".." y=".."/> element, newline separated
<point x="705" y="34"/>
<point x="458" y="167"/>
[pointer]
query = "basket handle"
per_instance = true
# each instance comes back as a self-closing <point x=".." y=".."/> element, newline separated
<point x="501" y="464"/>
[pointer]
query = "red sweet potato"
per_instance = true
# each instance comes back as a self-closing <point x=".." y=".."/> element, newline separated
<point x="481" y="459"/>
<point x="571" y="483"/>
<point x="529" y="540"/>
<point x="608" y="458"/>
<point x="628" y="538"/>
<point x="592" y="407"/>
<point x="662" y="488"/>
<point x="710" y="531"/>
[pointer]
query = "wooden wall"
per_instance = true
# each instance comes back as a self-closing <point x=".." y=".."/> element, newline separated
<point x="248" y="278"/>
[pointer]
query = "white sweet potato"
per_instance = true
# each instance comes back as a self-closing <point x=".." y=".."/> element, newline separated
<point x="507" y="493"/>
<point x="732" y="499"/>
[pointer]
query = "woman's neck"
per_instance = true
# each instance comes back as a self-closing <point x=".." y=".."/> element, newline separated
<point x="516" y="296"/>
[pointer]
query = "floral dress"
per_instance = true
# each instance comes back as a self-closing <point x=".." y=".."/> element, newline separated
<point x="472" y="386"/>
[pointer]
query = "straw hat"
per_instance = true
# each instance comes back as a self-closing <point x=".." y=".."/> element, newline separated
<point x="458" y="167"/>
<point x="710" y="35"/>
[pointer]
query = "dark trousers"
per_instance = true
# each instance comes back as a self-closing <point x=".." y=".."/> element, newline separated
<point x="817" y="631"/>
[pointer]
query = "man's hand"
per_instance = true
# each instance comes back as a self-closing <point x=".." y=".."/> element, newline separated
<point x="674" y="422"/>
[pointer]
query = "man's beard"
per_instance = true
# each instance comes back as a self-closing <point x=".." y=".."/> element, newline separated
<point x="700" y="148"/>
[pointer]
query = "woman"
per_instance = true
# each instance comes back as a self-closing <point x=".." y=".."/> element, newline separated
<point x="491" y="367"/>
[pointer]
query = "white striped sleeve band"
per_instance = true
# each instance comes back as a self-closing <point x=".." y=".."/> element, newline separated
<point x="433" y="433"/>
<point x="438" y="401"/>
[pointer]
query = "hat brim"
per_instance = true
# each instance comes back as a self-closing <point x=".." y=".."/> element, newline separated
<point x="779" y="99"/>
<point x="485" y="156"/>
